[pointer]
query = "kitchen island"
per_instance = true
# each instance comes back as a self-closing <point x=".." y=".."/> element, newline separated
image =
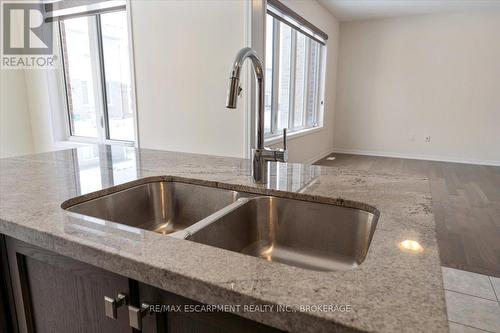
<point x="395" y="289"/>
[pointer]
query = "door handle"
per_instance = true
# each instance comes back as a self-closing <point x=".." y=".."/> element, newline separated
<point x="112" y="304"/>
<point x="135" y="315"/>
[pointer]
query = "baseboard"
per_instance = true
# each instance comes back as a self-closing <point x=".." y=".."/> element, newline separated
<point x="318" y="157"/>
<point x="417" y="157"/>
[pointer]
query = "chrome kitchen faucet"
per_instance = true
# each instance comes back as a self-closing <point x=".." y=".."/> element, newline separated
<point x="260" y="155"/>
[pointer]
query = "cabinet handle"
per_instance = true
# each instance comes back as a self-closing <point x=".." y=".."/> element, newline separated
<point x="112" y="304"/>
<point x="135" y="315"/>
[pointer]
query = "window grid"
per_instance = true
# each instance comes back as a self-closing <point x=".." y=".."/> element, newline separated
<point x="300" y="82"/>
<point x="293" y="58"/>
<point x="275" y="82"/>
<point x="304" y="87"/>
<point x="102" y="73"/>
<point x="102" y="97"/>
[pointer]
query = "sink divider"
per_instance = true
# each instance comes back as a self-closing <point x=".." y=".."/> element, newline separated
<point x="194" y="228"/>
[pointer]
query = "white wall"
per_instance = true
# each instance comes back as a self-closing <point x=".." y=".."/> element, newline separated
<point x="183" y="53"/>
<point x="182" y="70"/>
<point x="41" y="108"/>
<point x="15" y="123"/>
<point x="311" y="147"/>
<point x="27" y="107"/>
<point x="430" y="75"/>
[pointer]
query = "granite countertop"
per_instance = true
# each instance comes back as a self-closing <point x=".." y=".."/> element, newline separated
<point x="392" y="291"/>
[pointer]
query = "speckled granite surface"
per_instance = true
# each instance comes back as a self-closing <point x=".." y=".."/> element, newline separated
<point x="392" y="291"/>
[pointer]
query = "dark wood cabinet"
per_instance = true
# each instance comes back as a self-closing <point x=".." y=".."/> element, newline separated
<point x="53" y="293"/>
<point x="191" y="321"/>
<point x="42" y="291"/>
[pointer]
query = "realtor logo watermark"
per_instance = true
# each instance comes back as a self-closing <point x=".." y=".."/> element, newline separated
<point x="27" y="40"/>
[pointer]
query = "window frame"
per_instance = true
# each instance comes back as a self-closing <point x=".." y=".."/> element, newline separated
<point x="316" y="123"/>
<point x="100" y="86"/>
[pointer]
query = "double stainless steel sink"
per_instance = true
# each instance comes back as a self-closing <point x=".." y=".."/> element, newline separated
<point x="311" y="235"/>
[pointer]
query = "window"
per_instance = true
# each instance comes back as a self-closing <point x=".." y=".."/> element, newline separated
<point x="97" y="75"/>
<point x="294" y="72"/>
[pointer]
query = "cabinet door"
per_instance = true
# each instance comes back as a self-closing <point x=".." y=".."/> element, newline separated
<point x="53" y="293"/>
<point x="7" y="312"/>
<point x="192" y="322"/>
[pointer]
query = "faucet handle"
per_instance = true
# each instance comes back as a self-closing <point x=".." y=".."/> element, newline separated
<point x="281" y="155"/>
<point x="284" y="138"/>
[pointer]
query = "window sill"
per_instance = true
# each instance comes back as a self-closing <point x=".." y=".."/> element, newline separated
<point x="89" y="141"/>
<point x="292" y="136"/>
<point x="75" y="143"/>
<point x="69" y="144"/>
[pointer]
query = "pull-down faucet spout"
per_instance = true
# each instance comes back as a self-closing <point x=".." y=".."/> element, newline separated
<point x="261" y="154"/>
<point x="233" y="90"/>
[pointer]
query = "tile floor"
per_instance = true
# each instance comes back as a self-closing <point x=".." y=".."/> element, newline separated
<point x="472" y="301"/>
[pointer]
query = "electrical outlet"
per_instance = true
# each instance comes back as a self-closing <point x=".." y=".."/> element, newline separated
<point x="428" y="139"/>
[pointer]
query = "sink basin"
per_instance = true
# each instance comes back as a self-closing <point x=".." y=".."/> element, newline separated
<point x="306" y="234"/>
<point x="162" y="206"/>
<point x="299" y="233"/>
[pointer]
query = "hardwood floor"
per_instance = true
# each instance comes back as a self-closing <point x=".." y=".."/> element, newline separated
<point x="466" y="205"/>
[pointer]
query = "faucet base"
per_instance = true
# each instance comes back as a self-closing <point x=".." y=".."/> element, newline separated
<point x="260" y="159"/>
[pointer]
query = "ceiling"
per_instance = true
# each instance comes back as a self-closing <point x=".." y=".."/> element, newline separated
<point x="352" y="10"/>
